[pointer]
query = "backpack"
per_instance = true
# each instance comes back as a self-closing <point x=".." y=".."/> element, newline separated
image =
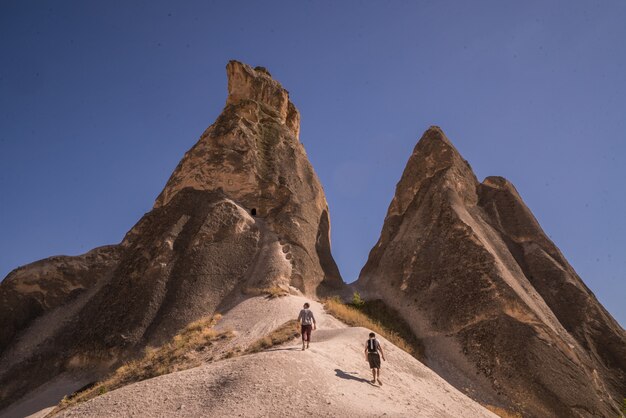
<point x="372" y="345"/>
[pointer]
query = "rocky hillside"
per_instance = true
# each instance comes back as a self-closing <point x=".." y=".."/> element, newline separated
<point x="501" y="313"/>
<point x="496" y="309"/>
<point x="29" y="291"/>
<point x="243" y="210"/>
<point x="330" y="379"/>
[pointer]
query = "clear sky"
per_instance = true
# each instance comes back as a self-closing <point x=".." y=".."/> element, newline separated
<point x="100" y="100"/>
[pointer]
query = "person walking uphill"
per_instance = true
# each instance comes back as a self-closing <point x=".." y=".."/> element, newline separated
<point x="307" y="322"/>
<point x="373" y="353"/>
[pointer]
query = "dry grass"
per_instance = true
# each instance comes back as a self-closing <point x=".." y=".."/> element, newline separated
<point x="286" y="332"/>
<point x="178" y="355"/>
<point x="503" y="413"/>
<point x="269" y="292"/>
<point x="375" y="315"/>
<point x="171" y="357"/>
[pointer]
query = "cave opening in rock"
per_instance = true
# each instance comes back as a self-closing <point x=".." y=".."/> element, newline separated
<point x="253" y="212"/>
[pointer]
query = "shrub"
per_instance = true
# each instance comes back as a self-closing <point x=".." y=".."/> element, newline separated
<point x="270" y="292"/>
<point x="286" y="332"/>
<point x="375" y="315"/>
<point x="502" y="413"/>
<point x="172" y="356"/>
<point x="357" y="302"/>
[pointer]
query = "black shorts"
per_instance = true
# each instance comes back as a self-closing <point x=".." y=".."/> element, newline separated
<point x="374" y="360"/>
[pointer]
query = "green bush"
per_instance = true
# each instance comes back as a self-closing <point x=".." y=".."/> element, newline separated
<point x="357" y="301"/>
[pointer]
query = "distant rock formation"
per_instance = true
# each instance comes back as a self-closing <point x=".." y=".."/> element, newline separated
<point x="501" y="313"/>
<point x="243" y="209"/>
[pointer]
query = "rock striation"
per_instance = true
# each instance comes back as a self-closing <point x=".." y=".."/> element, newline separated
<point x="243" y="209"/>
<point x="501" y="313"/>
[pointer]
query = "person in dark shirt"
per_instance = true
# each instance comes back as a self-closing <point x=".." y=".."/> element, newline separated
<point x="373" y="354"/>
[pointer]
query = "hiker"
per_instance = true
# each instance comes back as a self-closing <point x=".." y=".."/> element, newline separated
<point x="373" y="353"/>
<point x="307" y="322"/>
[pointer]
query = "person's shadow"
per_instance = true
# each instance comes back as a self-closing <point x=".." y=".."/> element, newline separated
<point x="349" y="376"/>
<point x="284" y="349"/>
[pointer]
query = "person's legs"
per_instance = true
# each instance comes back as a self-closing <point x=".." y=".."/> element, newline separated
<point x="378" y="377"/>
<point x="308" y="335"/>
<point x="373" y="375"/>
<point x="305" y="330"/>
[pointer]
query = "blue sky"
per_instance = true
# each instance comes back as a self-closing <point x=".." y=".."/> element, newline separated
<point x="100" y="100"/>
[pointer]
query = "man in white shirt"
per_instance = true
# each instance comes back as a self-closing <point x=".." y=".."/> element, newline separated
<point x="307" y="323"/>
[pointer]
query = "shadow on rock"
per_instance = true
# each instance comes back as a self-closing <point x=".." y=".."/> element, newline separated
<point x="350" y="376"/>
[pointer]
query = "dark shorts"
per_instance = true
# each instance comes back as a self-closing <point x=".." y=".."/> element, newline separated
<point x="306" y="332"/>
<point x="374" y="360"/>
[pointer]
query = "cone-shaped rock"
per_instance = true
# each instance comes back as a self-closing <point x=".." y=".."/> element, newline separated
<point x="243" y="209"/>
<point x="500" y="312"/>
<point x="252" y="153"/>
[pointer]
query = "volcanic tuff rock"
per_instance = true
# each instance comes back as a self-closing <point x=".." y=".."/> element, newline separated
<point x="243" y="209"/>
<point x="253" y="154"/>
<point x="501" y="313"/>
<point x="28" y="292"/>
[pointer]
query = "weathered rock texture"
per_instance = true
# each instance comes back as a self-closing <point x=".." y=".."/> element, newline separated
<point x="253" y="154"/>
<point x="501" y="313"/>
<point x="243" y="209"/>
<point x="29" y="291"/>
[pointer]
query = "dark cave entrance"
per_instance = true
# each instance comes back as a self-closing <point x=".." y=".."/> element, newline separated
<point x="253" y="212"/>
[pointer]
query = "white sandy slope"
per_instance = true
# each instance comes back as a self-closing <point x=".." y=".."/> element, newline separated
<point x="330" y="379"/>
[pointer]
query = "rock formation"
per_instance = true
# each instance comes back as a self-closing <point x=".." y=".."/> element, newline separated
<point x="243" y="209"/>
<point x="501" y="313"/>
<point x="30" y="291"/>
<point x="252" y="153"/>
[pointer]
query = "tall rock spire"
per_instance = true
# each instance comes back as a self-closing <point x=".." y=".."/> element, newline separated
<point x="243" y="209"/>
<point x="499" y="310"/>
<point x="252" y="153"/>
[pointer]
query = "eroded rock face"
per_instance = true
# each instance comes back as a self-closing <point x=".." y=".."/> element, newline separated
<point x="32" y="290"/>
<point x="501" y="313"/>
<point x="243" y="209"/>
<point x="253" y="154"/>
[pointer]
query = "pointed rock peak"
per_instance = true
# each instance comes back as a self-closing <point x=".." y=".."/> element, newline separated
<point x="434" y="153"/>
<point x="435" y="132"/>
<point x="436" y="144"/>
<point x="256" y="84"/>
<point x="245" y="82"/>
